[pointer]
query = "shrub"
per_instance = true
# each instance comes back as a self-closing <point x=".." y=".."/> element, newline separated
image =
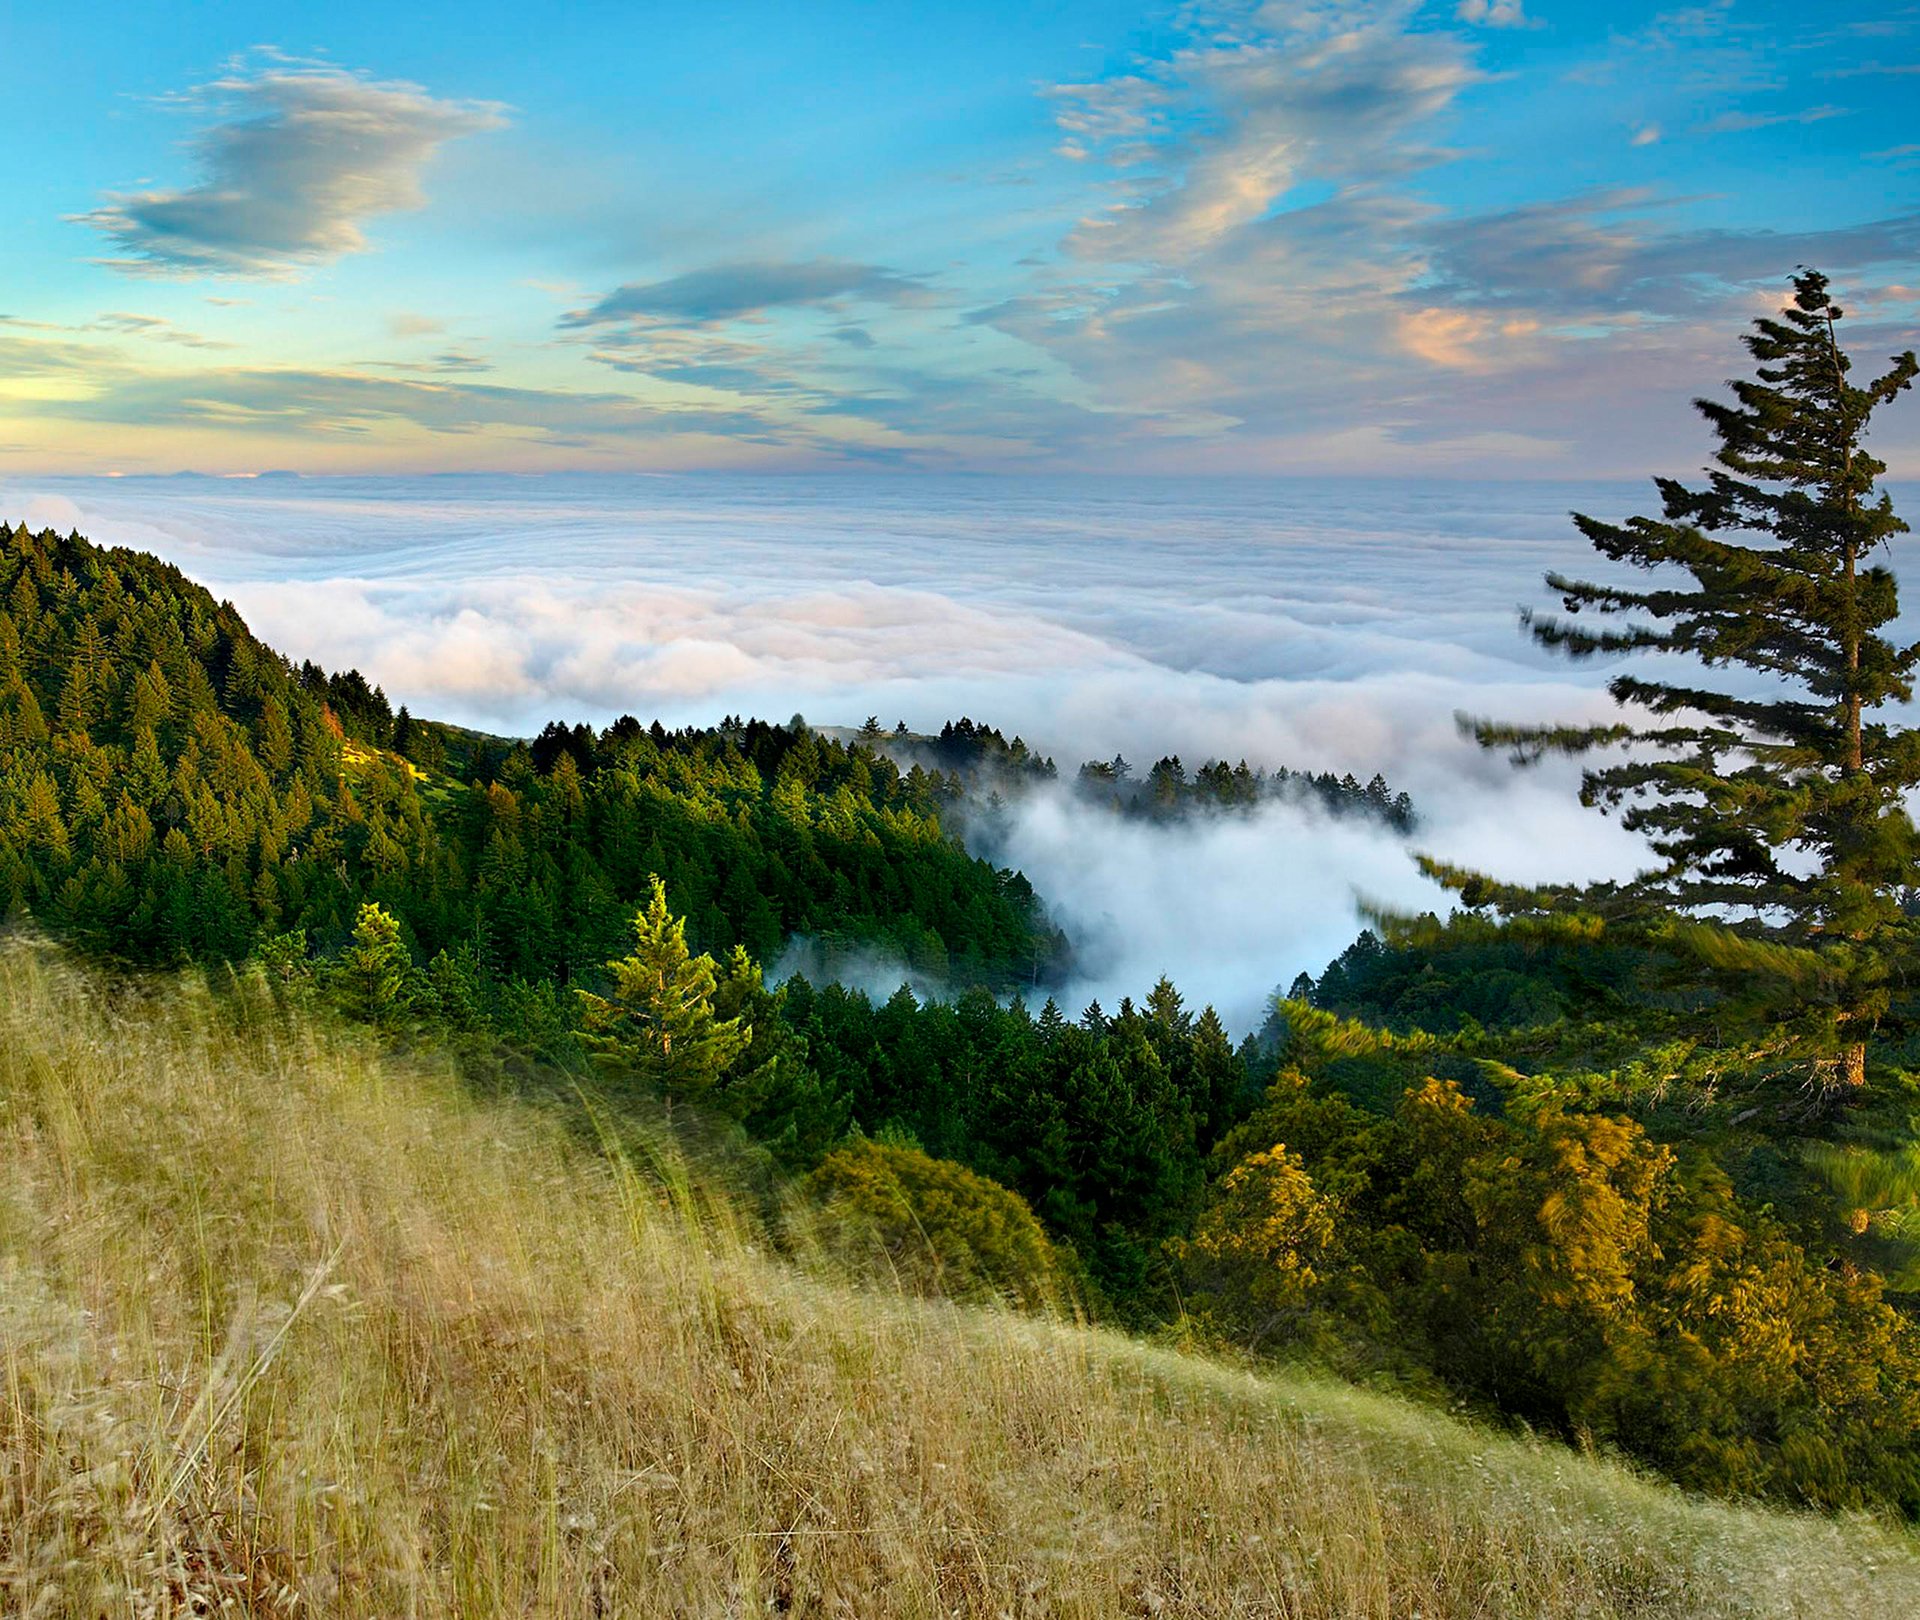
<point x="942" y="1228"/>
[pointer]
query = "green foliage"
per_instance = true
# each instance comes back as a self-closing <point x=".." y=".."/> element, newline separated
<point x="1102" y="1125"/>
<point x="1567" y="1269"/>
<point x="372" y="973"/>
<point x="658" y="1024"/>
<point x="1255" y="1248"/>
<point x="771" y="1088"/>
<point x="942" y="1228"/>
<point x="1873" y="1178"/>
<point x="968" y="762"/>
<point x="1781" y="816"/>
<point x="1448" y="976"/>
<point x="169" y="788"/>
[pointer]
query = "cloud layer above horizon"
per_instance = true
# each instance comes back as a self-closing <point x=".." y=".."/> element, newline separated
<point x="1352" y="235"/>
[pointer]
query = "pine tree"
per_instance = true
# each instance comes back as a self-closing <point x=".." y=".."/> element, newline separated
<point x="659" y="1023"/>
<point x="374" y="968"/>
<point x="1774" y="800"/>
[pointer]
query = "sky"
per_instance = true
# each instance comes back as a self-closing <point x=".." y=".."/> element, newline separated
<point x="1472" y="238"/>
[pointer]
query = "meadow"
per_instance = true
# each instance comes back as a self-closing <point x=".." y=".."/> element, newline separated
<point x="292" y="1325"/>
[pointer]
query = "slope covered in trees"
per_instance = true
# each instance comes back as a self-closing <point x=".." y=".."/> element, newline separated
<point x="971" y="764"/>
<point x="170" y="787"/>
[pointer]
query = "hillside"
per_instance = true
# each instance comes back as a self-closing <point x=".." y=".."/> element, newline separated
<point x="295" y="1329"/>
<point x="171" y="787"/>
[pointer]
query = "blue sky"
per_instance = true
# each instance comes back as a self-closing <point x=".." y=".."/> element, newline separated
<point x="1473" y="237"/>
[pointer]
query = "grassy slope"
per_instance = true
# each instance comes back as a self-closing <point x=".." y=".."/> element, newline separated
<point x="287" y="1324"/>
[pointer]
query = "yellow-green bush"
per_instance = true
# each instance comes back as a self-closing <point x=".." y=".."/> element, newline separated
<point x="1567" y="1269"/>
<point x="942" y="1228"/>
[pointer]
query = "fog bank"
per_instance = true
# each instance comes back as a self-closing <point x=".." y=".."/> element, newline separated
<point x="1232" y="905"/>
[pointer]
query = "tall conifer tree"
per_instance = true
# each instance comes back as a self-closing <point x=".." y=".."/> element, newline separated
<point x="660" y="1022"/>
<point x="1773" y="795"/>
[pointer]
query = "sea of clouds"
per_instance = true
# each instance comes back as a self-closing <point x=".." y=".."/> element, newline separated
<point x="1323" y="625"/>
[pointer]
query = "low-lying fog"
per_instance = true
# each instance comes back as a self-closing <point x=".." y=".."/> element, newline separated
<point x="1321" y="625"/>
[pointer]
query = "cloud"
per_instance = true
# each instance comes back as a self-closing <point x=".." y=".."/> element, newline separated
<point x="123" y="323"/>
<point x="1900" y="70"/>
<point x="1458" y="339"/>
<point x="448" y="363"/>
<point x="299" y="159"/>
<point x="292" y="402"/>
<point x="1226" y="127"/>
<point x="1739" y="122"/>
<point x="726" y="291"/>
<point x="406" y="324"/>
<point x="51" y="512"/>
<point x="1232" y="907"/>
<point x="1605" y="252"/>
<point x="727" y="403"/>
<point x="1494" y="14"/>
<point x="54" y="359"/>
<point x="153" y="326"/>
<point x="1266" y="254"/>
<point x="1646" y="135"/>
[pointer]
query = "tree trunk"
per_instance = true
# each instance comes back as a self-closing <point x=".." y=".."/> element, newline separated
<point x="1853" y="1066"/>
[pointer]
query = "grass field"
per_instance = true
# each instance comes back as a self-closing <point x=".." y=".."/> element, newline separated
<point x="293" y="1329"/>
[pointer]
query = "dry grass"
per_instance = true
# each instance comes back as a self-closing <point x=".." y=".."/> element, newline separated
<point x="291" y="1330"/>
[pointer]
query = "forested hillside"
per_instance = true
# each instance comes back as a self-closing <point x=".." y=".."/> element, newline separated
<point x="973" y="761"/>
<point x="170" y="787"/>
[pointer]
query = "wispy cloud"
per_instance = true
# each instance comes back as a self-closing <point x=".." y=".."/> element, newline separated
<point x="1268" y="268"/>
<point x="292" y="402"/>
<point x="1211" y="138"/>
<point x="299" y="158"/>
<point x="153" y="326"/>
<point x="1740" y="122"/>
<point x="1494" y="13"/>
<point x="408" y="324"/>
<point x="449" y="362"/>
<point x="725" y="291"/>
<point x="1620" y="252"/>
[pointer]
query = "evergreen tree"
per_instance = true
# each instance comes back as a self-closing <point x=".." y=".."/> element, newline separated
<point x="373" y="970"/>
<point x="659" y="1023"/>
<point x="1774" y="799"/>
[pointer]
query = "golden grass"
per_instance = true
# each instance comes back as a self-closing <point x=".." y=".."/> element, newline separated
<point x="291" y="1329"/>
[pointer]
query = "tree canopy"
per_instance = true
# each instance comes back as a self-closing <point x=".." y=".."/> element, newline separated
<point x="1771" y="777"/>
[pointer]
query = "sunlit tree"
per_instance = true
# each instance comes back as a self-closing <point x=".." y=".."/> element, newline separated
<point x="1771" y="785"/>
